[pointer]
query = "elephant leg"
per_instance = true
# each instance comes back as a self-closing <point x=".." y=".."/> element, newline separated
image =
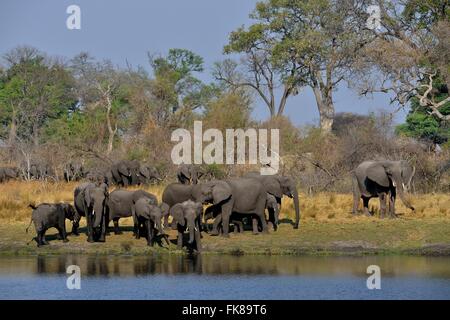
<point x="392" y="214"/>
<point x="226" y="214"/>
<point x="216" y="223"/>
<point x="116" y="227"/>
<point x="255" y="225"/>
<point x="198" y="237"/>
<point x="44" y="241"/>
<point x="366" y="206"/>
<point x="75" y="226"/>
<point x="180" y="240"/>
<point x="90" y="230"/>
<point x="382" y="197"/>
<point x="150" y="233"/>
<point x="62" y="233"/>
<point x="41" y="238"/>
<point x="273" y="220"/>
<point x="107" y="225"/>
<point x="101" y="238"/>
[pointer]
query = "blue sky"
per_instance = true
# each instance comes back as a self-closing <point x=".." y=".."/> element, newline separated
<point x="126" y="30"/>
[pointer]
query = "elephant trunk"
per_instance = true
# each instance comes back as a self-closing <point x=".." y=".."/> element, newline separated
<point x="401" y="193"/>
<point x="297" y="208"/>
<point x="192" y="228"/>
<point x="159" y="226"/>
<point x="98" y="212"/>
<point x="401" y="189"/>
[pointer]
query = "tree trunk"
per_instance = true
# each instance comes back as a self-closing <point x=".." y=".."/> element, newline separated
<point x="326" y="108"/>
<point x="12" y="129"/>
<point x="111" y="131"/>
<point x="35" y="134"/>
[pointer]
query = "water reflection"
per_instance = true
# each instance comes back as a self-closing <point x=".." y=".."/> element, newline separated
<point x="124" y="266"/>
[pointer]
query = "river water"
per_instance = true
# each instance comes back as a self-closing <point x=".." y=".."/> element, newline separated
<point x="224" y="277"/>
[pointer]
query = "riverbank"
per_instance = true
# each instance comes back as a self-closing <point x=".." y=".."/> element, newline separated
<point x="327" y="228"/>
<point x="361" y="237"/>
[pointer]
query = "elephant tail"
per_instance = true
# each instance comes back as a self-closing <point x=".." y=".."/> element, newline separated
<point x="32" y="206"/>
<point x="31" y="220"/>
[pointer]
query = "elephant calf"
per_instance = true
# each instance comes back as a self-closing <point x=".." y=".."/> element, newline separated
<point x="47" y="215"/>
<point x="188" y="214"/>
<point x="146" y="213"/>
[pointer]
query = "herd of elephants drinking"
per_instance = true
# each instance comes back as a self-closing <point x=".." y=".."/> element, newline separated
<point x="252" y="200"/>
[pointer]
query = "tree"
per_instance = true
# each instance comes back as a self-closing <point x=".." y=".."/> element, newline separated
<point x="100" y="85"/>
<point x="175" y="80"/>
<point x="410" y="55"/>
<point x="302" y="43"/>
<point x="34" y="89"/>
<point x="422" y="124"/>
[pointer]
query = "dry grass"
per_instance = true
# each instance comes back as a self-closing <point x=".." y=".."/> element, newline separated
<point x="326" y="222"/>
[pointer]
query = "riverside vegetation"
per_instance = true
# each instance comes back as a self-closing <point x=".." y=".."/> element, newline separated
<point x="327" y="227"/>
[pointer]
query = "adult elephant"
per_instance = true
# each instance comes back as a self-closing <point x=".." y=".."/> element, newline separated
<point x="121" y="173"/>
<point x="90" y="201"/>
<point x="240" y="195"/>
<point x="279" y="186"/>
<point x="7" y="173"/>
<point x="147" y="174"/>
<point x="120" y="205"/>
<point x="189" y="174"/>
<point x="382" y="179"/>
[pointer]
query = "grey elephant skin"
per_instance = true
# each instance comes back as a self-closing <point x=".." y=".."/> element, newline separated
<point x="8" y="173"/>
<point x="189" y="174"/>
<point x="382" y="179"/>
<point x="148" y="174"/>
<point x="187" y="215"/>
<point x="149" y="216"/>
<point x="120" y="205"/>
<point x="241" y="195"/>
<point x="279" y="186"/>
<point x="238" y="220"/>
<point x="131" y="172"/>
<point x="91" y="202"/>
<point x="51" y="215"/>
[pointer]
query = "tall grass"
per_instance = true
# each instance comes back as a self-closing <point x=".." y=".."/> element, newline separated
<point x="15" y="196"/>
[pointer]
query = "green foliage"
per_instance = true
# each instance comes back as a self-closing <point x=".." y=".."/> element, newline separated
<point x="423" y="125"/>
<point x="33" y="91"/>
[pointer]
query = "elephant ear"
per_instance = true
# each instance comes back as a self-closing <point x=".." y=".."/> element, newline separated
<point x="164" y="209"/>
<point x="273" y="186"/>
<point x="177" y="213"/>
<point x="221" y="191"/>
<point x="87" y="197"/>
<point x="378" y="174"/>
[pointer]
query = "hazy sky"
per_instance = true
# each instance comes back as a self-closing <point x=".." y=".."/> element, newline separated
<point x="123" y="30"/>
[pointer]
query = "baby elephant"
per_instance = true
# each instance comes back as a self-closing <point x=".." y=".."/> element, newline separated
<point x="146" y="213"/>
<point x="188" y="215"/>
<point x="50" y="215"/>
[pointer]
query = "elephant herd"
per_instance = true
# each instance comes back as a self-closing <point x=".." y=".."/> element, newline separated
<point x="252" y="199"/>
<point x="121" y="173"/>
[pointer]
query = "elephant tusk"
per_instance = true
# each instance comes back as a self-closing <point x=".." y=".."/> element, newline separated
<point x="394" y="184"/>
<point x="404" y="187"/>
<point x="195" y="229"/>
